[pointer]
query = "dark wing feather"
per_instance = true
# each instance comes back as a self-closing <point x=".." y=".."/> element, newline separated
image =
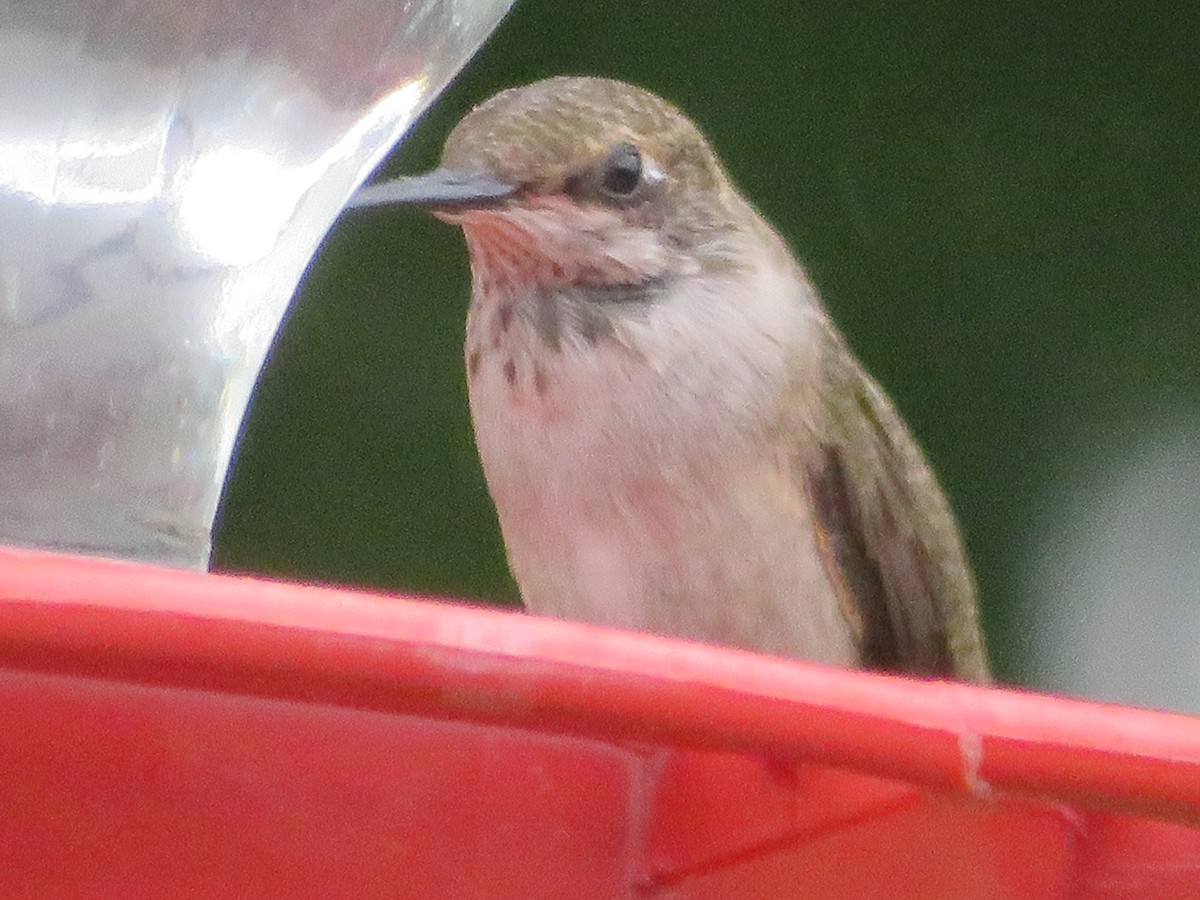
<point x="889" y="539"/>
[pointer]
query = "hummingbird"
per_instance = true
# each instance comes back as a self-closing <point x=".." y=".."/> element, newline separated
<point x="676" y="437"/>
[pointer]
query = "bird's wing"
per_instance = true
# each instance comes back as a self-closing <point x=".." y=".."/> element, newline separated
<point x="888" y="538"/>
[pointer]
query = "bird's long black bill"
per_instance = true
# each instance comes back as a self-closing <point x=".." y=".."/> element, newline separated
<point x="439" y="189"/>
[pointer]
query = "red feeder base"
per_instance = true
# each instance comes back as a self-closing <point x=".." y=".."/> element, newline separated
<point x="170" y="734"/>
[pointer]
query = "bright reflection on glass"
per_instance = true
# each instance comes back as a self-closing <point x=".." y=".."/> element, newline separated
<point x="252" y="181"/>
<point x="230" y="178"/>
<point x="166" y="172"/>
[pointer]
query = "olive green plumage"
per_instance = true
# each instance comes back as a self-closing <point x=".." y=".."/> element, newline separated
<point x="675" y="435"/>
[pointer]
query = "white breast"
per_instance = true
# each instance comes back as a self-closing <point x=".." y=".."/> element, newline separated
<point x="642" y="482"/>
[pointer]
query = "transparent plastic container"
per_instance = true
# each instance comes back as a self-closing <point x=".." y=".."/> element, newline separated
<point x="167" y="170"/>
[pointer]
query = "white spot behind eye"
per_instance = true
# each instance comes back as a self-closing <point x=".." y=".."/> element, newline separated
<point x="652" y="173"/>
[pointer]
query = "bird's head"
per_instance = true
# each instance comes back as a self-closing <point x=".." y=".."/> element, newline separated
<point x="581" y="183"/>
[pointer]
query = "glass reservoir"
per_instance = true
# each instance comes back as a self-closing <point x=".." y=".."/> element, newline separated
<point x="167" y="170"/>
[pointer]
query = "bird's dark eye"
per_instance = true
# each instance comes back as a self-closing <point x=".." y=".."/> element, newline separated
<point x="622" y="171"/>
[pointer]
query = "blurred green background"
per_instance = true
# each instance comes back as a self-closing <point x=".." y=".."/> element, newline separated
<point x="999" y="203"/>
